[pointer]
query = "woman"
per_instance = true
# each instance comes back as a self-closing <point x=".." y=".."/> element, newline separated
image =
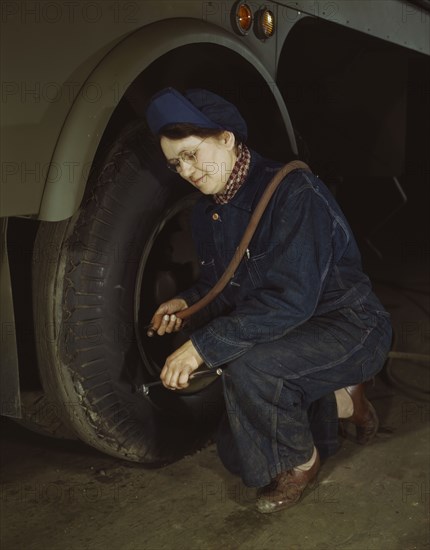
<point x="297" y="325"/>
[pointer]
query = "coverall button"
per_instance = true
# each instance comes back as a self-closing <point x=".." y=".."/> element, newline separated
<point x="215" y="217"/>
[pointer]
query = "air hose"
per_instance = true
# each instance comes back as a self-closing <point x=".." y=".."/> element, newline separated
<point x="241" y="249"/>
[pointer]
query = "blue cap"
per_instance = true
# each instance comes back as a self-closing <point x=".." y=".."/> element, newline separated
<point x="199" y="107"/>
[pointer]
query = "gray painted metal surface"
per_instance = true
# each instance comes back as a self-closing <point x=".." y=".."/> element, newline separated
<point x="39" y="97"/>
<point x="10" y="402"/>
<point x="398" y="22"/>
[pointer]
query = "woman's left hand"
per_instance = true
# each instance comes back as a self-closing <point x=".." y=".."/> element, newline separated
<point x="179" y="366"/>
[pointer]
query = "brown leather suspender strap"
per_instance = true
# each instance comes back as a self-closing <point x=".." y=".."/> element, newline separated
<point x="246" y="239"/>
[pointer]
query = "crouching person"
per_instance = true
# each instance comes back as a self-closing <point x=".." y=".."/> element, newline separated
<point x="298" y="329"/>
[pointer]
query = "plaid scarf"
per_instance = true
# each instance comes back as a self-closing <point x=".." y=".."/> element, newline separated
<point x="237" y="176"/>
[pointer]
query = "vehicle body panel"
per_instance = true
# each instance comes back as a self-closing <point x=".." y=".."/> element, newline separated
<point x="58" y="92"/>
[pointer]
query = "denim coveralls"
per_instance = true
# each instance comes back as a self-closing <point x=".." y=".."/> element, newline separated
<point x="296" y="322"/>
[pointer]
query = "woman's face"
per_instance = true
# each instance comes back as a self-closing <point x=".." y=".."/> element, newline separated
<point x="215" y="159"/>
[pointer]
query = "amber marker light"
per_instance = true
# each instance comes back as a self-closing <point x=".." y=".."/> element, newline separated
<point x="242" y="18"/>
<point x="264" y="24"/>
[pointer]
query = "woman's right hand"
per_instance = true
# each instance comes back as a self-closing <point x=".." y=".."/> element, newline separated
<point x="164" y="319"/>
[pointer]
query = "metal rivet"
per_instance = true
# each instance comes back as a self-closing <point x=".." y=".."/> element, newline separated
<point x="215" y="217"/>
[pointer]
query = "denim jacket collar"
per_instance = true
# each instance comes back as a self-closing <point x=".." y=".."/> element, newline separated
<point x="244" y="199"/>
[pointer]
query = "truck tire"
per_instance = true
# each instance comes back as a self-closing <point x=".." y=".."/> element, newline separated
<point x="97" y="279"/>
<point x="41" y="416"/>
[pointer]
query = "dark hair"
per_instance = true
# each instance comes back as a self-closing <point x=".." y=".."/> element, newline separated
<point x="183" y="130"/>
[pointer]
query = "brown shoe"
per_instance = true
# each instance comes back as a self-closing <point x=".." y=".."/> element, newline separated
<point x="364" y="416"/>
<point x="286" y="489"/>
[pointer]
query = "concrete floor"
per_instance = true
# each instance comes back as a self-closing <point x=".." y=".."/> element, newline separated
<point x="63" y="495"/>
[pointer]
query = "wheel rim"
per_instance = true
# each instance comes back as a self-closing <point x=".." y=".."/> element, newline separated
<point x="168" y="265"/>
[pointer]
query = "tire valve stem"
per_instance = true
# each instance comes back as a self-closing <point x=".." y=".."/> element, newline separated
<point x="144" y="388"/>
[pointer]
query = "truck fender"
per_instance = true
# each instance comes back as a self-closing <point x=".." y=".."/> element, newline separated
<point x="84" y="125"/>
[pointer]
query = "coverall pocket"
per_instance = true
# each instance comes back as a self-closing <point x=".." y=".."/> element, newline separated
<point x="257" y="266"/>
<point x="208" y="271"/>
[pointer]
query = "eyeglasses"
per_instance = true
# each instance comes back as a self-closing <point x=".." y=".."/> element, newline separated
<point x="190" y="157"/>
